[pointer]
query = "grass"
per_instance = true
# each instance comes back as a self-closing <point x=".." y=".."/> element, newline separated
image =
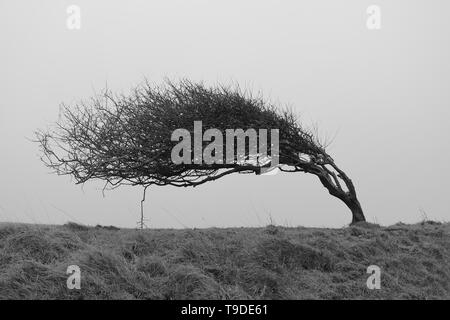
<point x="235" y="263"/>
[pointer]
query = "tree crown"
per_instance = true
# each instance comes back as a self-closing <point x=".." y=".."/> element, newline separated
<point x="127" y="139"/>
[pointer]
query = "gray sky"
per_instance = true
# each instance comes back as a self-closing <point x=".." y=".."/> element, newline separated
<point x="383" y="93"/>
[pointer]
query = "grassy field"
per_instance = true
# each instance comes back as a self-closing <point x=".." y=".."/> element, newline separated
<point x="236" y="263"/>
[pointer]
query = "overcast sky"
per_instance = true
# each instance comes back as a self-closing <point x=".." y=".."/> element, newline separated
<point x="384" y="94"/>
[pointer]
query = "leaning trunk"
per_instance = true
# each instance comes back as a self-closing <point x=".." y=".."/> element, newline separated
<point x="355" y="207"/>
<point x="331" y="181"/>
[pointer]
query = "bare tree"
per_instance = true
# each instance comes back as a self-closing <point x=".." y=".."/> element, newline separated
<point x="126" y="140"/>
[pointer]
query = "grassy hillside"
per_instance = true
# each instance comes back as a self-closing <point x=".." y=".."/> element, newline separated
<point x="239" y="263"/>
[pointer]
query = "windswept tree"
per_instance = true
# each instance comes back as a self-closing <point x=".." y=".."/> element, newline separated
<point x="128" y="139"/>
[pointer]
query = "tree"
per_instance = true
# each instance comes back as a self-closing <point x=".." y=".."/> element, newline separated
<point x="126" y="139"/>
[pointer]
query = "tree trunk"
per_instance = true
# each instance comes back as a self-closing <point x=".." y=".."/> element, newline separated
<point x="335" y="189"/>
<point x="336" y="182"/>
<point x="355" y="207"/>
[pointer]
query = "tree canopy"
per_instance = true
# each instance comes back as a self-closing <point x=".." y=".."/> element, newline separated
<point x="127" y="139"/>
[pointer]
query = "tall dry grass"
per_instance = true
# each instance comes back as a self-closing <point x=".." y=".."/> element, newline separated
<point x="261" y="263"/>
